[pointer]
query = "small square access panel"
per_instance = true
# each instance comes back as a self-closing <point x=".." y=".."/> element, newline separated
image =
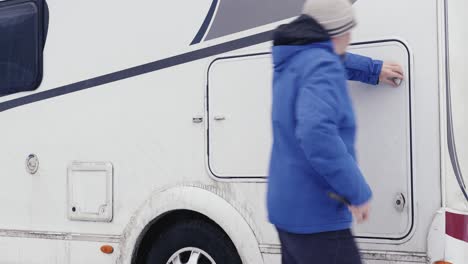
<point x="90" y="191"/>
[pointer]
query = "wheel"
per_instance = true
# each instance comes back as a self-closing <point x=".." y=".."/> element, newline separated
<point x="192" y="242"/>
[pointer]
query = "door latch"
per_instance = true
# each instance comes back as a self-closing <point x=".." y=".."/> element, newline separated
<point x="400" y="202"/>
<point x="219" y="118"/>
<point x="197" y="119"/>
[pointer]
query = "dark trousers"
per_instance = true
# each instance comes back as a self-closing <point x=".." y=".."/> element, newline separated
<point x="337" y="247"/>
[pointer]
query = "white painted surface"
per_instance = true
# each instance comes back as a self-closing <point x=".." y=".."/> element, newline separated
<point x="436" y="237"/>
<point x="458" y="74"/>
<point x="47" y="251"/>
<point x="456" y="251"/>
<point x="272" y="258"/>
<point x="33" y="251"/>
<point x="143" y="125"/>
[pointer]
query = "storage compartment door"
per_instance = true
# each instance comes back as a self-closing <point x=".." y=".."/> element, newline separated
<point x="239" y="131"/>
<point x="383" y="146"/>
<point x="239" y="106"/>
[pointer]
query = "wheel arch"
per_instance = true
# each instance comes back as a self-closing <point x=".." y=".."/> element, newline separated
<point x="186" y="201"/>
<point x="161" y="223"/>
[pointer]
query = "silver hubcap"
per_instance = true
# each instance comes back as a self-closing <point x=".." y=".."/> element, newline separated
<point x="190" y="255"/>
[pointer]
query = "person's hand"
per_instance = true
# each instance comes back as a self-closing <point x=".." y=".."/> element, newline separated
<point x="360" y="213"/>
<point x="392" y="74"/>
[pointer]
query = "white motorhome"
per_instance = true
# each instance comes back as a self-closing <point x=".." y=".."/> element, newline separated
<point x="139" y="131"/>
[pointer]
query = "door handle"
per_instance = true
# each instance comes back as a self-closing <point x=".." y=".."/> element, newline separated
<point x="219" y="118"/>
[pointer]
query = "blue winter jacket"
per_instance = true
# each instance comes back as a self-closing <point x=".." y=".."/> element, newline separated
<point x="314" y="131"/>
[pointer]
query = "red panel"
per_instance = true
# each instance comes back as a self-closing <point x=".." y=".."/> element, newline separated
<point x="456" y="226"/>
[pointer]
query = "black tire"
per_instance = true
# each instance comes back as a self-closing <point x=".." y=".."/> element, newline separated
<point x="193" y="234"/>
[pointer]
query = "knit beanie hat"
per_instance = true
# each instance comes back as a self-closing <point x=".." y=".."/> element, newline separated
<point x="336" y="16"/>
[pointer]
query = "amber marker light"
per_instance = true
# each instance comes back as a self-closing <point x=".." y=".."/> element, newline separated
<point x="106" y="249"/>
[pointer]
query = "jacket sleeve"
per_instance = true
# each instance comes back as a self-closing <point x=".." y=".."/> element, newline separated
<point x="363" y="69"/>
<point x="317" y="132"/>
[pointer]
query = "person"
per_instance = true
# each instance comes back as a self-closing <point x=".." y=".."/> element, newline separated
<point x="315" y="185"/>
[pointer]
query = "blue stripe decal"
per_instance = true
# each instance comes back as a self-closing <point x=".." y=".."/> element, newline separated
<point x="139" y="70"/>
<point x="206" y="23"/>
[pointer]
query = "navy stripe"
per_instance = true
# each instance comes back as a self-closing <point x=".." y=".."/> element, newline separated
<point x="204" y="27"/>
<point x="139" y="70"/>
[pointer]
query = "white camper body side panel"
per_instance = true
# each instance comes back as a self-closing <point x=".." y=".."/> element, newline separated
<point x="54" y="251"/>
<point x="143" y="125"/>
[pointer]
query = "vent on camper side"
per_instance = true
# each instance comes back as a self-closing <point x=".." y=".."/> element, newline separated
<point x="90" y="191"/>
